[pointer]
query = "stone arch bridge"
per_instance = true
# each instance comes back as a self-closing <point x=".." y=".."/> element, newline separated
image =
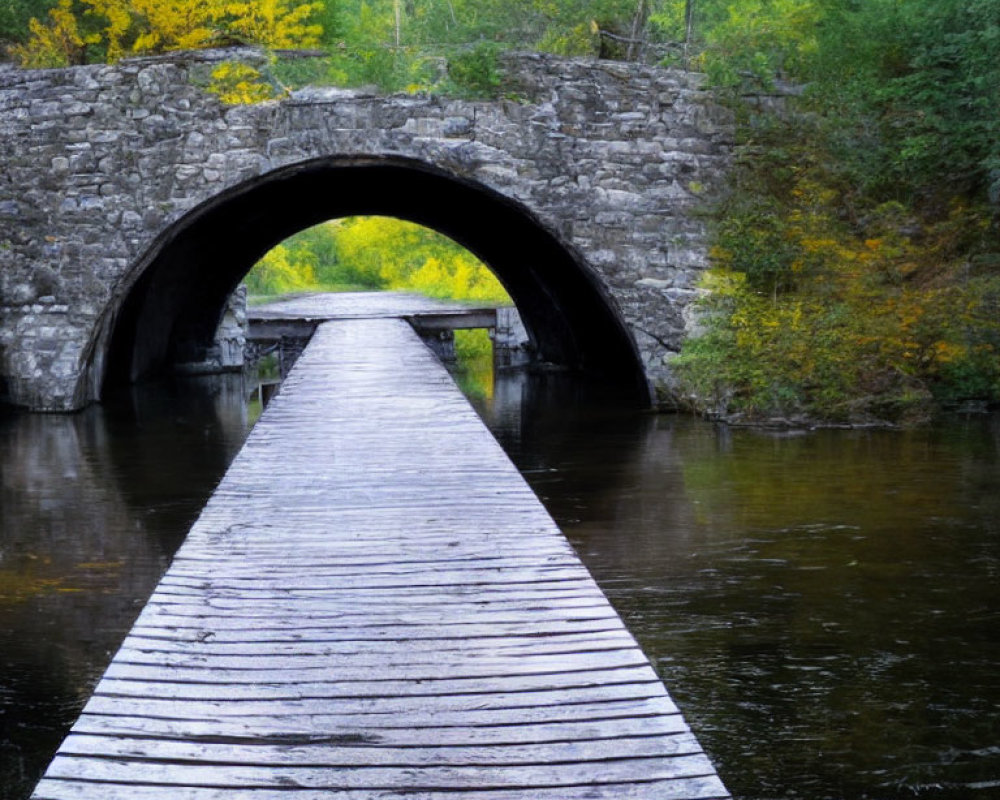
<point x="132" y="203"/>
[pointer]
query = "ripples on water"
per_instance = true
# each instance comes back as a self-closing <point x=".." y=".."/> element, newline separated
<point x="824" y="607"/>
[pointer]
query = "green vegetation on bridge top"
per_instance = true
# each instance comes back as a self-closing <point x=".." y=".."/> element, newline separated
<point x="857" y="260"/>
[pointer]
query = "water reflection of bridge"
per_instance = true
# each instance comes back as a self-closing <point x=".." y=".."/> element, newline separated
<point x="373" y="604"/>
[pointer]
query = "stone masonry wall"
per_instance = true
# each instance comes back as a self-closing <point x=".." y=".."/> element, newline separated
<point x="96" y="162"/>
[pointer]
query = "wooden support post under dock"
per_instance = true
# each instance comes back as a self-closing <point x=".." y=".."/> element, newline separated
<point x="373" y="604"/>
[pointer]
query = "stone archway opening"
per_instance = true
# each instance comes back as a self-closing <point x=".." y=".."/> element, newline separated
<point x="172" y="309"/>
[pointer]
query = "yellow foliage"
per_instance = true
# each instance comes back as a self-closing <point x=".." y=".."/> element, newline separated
<point x="274" y="23"/>
<point x="722" y="281"/>
<point x="237" y="83"/>
<point x="410" y="257"/>
<point x="817" y="245"/>
<point x="174" y="24"/>
<point x="462" y="277"/>
<point x="376" y="253"/>
<point x="56" y="43"/>
<point x="156" y="26"/>
<point x="875" y="323"/>
<point x="117" y="16"/>
<point x="276" y="271"/>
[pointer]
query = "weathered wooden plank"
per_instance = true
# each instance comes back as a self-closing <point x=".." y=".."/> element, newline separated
<point x="365" y="777"/>
<point x="495" y="575"/>
<point x="281" y="753"/>
<point x="374" y="605"/>
<point x="699" y="788"/>
<point x="456" y="593"/>
<point x="228" y="523"/>
<point x="604" y="700"/>
<point x="454" y="320"/>
<point x="501" y="727"/>
<point x="311" y="619"/>
<point x="320" y="604"/>
<point x="365" y="537"/>
<point x="316" y="604"/>
<point x="325" y="728"/>
<point x="476" y="574"/>
<point x="392" y="563"/>
<point x="406" y="591"/>
<point x="399" y="633"/>
<point x="316" y="692"/>
<point x="377" y="718"/>
<point x="357" y="552"/>
<point x="318" y="659"/>
<point x="244" y="615"/>
<point x="400" y="666"/>
<point x="181" y="652"/>
<point x="359" y="305"/>
<point x="373" y="687"/>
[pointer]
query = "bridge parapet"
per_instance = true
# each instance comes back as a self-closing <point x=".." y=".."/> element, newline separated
<point x="103" y="165"/>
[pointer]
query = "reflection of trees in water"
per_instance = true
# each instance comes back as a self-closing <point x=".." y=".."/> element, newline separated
<point x="594" y="461"/>
<point x="169" y="443"/>
<point x="92" y="507"/>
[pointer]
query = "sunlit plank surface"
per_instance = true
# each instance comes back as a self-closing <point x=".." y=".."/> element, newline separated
<point x="373" y="604"/>
<point x="355" y="305"/>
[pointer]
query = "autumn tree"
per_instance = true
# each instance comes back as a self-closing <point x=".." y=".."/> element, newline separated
<point x="856" y="261"/>
<point x="375" y="253"/>
<point x="73" y="32"/>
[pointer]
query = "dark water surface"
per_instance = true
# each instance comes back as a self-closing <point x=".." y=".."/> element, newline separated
<point x="92" y="507"/>
<point x="824" y="607"/>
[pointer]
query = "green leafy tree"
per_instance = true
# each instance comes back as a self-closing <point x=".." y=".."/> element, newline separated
<point x="15" y="17"/>
<point x="857" y="258"/>
<point x="911" y="91"/>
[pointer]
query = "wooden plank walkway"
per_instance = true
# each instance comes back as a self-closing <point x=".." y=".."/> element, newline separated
<point x="318" y="307"/>
<point x="373" y="604"/>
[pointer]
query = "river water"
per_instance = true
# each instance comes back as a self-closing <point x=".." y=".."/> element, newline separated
<point x="823" y="606"/>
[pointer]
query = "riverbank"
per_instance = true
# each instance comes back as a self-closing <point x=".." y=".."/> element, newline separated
<point x="805" y="423"/>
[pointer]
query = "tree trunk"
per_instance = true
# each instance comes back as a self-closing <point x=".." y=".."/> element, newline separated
<point x="688" y="26"/>
<point x="638" y="30"/>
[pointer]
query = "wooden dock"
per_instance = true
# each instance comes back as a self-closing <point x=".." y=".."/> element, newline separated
<point x="299" y="316"/>
<point x="373" y="604"/>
